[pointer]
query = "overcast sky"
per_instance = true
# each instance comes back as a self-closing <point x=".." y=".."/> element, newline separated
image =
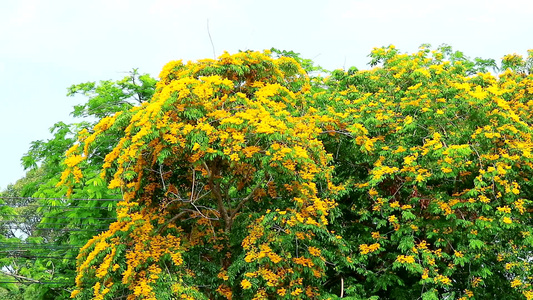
<point x="48" y="45"/>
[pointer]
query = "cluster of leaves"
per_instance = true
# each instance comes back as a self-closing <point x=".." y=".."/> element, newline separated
<point x="245" y="177"/>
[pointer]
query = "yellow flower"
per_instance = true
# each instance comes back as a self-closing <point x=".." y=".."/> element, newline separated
<point x="484" y="199"/>
<point x="507" y="220"/>
<point x="446" y="170"/>
<point x="504" y="209"/>
<point x="443" y="279"/>
<point x="363" y="248"/>
<point x="274" y="257"/>
<point x="374" y="247"/>
<point x="516" y="282"/>
<point x="246" y="284"/>
<point x="405" y="259"/>
<point x="74" y="293"/>
<point x="399" y="150"/>
<point x="77" y="174"/>
<point x="297" y="292"/>
<point x="422" y="245"/>
<point x="223" y="275"/>
<point x="314" y="251"/>
<point x="425" y="274"/>
<point x="74" y="160"/>
<point x="196" y="147"/>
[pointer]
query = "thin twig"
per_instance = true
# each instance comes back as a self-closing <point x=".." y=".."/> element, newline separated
<point x="211" y="40"/>
<point x="192" y="187"/>
<point x="337" y="131"/>
<point x="161" y="174"/>
<point x="25" y="278"/>
<point x="342" y="287"/>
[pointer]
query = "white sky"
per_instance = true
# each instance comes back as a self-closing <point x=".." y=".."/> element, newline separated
<point x="48" y="45"/>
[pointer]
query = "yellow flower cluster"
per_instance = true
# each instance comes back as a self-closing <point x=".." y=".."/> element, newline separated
<point x="442" y="279"/>
<point x="365" y="249"/>
<point x="407" y="259"/>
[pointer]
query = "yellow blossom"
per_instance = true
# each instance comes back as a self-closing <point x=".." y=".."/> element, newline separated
<point x="314" y="251"/>
<point x="246" y="284"/>
<point x="408" y="259"/>
<point x="516" y="282"/>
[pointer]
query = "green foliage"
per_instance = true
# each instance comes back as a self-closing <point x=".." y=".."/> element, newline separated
<point x="307" y="64"/>
<point x="110" y="96"/>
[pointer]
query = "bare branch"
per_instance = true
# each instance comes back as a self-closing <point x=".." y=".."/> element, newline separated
<point x="337" y="131"/>
<point x="161" y="174"/>
<point x="23" y="278"/>
<point x="192" y="187"/>
<point x="181" y="214"/>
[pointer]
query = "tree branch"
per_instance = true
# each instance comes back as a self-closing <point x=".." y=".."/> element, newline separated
<point x="27" y="279"/>
<point x="181" y="214"/>
<point x="220" y="202"/>
<point x="243" y="201"/>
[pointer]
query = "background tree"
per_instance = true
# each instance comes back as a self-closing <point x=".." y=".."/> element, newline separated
<point x="49" y="228"/>
<point x="437" y="159"/>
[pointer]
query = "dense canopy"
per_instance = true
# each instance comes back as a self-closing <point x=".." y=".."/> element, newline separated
<point x="251" y="176"/>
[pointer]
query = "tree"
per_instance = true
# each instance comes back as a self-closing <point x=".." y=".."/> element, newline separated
<point x="51" y="222"/>
<point x="437" y="160"/>
<point x="203" y="167"/>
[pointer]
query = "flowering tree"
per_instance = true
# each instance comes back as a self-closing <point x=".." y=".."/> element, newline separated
<point x="49" y="221"/>
<point x="437" y="158"/>
<point x="244" y="178"/>
<point x="220" y="174"/>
